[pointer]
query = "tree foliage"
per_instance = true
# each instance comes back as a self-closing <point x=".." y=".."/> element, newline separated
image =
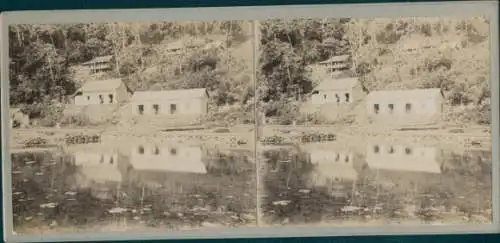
<point x="406" y="53"/>
<point x="286" y="50"/>
<point x="45" y="59"/>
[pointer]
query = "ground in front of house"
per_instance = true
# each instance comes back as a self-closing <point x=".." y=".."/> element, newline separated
<point x="239" y="136"/>
<point x="243" y="135"/>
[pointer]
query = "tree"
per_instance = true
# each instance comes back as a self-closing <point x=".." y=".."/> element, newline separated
<point x="39" y="70"/>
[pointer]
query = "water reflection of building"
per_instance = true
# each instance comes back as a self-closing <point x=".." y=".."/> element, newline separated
<point x="98" y="170"/>
<point x="171" y="158"/>
<point x="333" y="171"/>
<point x="176" y="168"/>
<point x="334" y="165"/>
<point x="403" y="158"/>
<point x="98" y="166"/>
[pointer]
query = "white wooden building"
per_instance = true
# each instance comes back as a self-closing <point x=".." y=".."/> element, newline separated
<point x="334" y="67"/>
<point x="184" y="102"/>
<point x="99" y="64"/>
<point x="99" y="92"/>
<point x="174" y="48"/>
<point x="336" y="63"/>
<point x="180" y="46"/>
<point x="337" y="91"/>
<point x="417" y="44"/>
<point x="414" y="106"/>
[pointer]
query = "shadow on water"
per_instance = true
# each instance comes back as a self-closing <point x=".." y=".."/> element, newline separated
<point x="155" y="186"/>
<point x="383" y="184"/>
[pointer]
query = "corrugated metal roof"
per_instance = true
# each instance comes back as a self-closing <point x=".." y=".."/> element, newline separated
<point x="101" y="85"/>
<point x="169" y="94"/>
<point x="404" y="94"/>
<point x="340" y="58"/>
<point x="99" y="59"/>
<point x="337" y="84"/>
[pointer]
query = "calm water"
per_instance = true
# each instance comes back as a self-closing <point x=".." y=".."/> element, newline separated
<point x="382" y="184"/>
<point x="165" y="187"/>
<point x="183" y="187"/>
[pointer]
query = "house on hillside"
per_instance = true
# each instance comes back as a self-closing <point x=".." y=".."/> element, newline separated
<point x="194" y="43"/>
<point x="336" y="98"/>
<point x="174" y="48"/>
<point x="329" y="42"/>
<point x="179" y="46"/>
<point x="405" y="107"/>
<point x="415" y="44"/>
<point x="168" y="158"/>
<point x="334" y="67"/>
<point x="336" y="63"/>
<point x="170" y="103"/>
<point x="18" y="119"/>
<point x="403" y="158"/>
<point x="337" y="91"/>
<point x="217" y="44"/>
<point x="111" y="91"/>
<point x="99" y="64"/>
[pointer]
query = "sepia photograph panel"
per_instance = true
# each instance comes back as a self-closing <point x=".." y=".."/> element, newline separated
<point x="271" y="121"/>
<point x="373" y="122"/>
<point x="132" y="126"/>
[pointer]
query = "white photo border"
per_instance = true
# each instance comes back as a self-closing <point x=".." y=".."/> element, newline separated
<point x="429" y="9"/>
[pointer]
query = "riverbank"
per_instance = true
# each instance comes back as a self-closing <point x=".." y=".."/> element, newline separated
<point x="448" y="137"/>
<point x="243" y="136"/>
<point x="235" y="137"/>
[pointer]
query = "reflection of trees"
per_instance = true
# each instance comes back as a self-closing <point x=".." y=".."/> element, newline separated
<point x="176" y="199"/>
<point x="173" y="199"/>
<point x="228" y="163"/>
<point x="465" y="185"/>
<point x="293" y="172"/>
<point x="379" y="199"/>
<point x="289" y="180"/>
<point x="468" y="180"/>
<point x="472" y="163"/>
<point x="45" y="181"/>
